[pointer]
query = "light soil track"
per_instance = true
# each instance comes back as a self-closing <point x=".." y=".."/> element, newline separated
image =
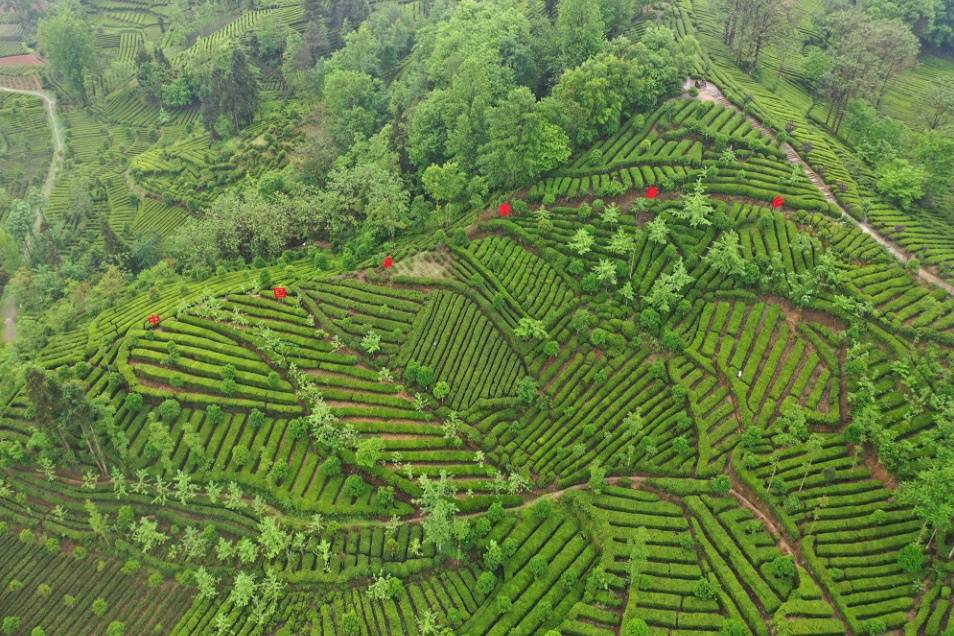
<point x="8" y="308"/>
<point x="712" y="93"/>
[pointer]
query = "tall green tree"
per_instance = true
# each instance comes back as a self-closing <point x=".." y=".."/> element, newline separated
<point x="696" y="207"/>
<point x="45" y="393"/>
<point x="20" y="221"/>
<point x="580" y="31"/>
<point x="438" y="506"/>
<point x="365" y="192"/>
<point x="447" y="185"/>
<point x="344" y="16"/>
<point x="351" y="100"/>
<point x="866" y="54"/>
<point x="940" y="103"/>
<point x="901" y="181"/>
<point x="522" y="144"/>
<point x="590" y="100"/>
<point x="66" y="39"/>
<point x="228" y="93"/>
<point x="750" y="26"/>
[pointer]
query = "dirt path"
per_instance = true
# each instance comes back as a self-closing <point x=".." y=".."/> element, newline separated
<point x="710" y="92"/>
<point x="8" y="308"/>
<point x="57" y="130"/>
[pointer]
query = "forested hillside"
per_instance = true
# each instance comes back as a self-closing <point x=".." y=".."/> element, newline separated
<point x="572" y="317"/>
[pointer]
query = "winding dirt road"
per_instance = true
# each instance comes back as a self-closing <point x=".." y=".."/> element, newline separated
<point x="56" y="128"/>
<point x="711" y="92"/>
<point x="8" y="308"/>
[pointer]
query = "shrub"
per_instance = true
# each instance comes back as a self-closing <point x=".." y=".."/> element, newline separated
<point x="459" y="237"/>
<point x="169" y="410"/>
<point x="874" y="627"/>
<point x="672" y="340"/>
<point x="705" y="590"/>
<point x="11" y="624"/>
<point x="133" y="402"/>
<point x="240" y="455"/>
<point x="454" y="617"/>
<point x="783" y="567"/>
<point x="331" y="467"/>
<point x="597" y="581"/>
<point x="911" y="558"/>
<point x="901" y="182"/>
<point x="355" y="486"/>
<point x="493" y="556"/>
<point x="495" y="513"/>
<point x="116" y="628"/>
<point x="384" y="498"/>
<point x="350" y="624"/>
<point x="486" y="583"/>
<point x="598" y="337"/>
<point x="649" y="319"/>
<point x="636" y="627"/>
<point x="503" y="604"/>
<point x="721" y="485"/>
<point x="542" y="510"/>
<point x="538" y="566"/>
<point x="100" y="606"/>
<point x="733" y="627"/>
<point x="569" y="580"/>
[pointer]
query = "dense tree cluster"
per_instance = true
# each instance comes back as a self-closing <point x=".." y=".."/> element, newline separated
<point x="434" y="114"/>
<point x="849" y="62"/>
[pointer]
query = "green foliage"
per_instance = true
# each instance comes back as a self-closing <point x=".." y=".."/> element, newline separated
<point x="911" y="558"/>
<point x="99" y="606"/>
<point x="66" y="39"/>
<point x="522" y="144"/>
<point x="11" y="624"/>
<point x="636" y="627"/>
<point x="901" y="181"/>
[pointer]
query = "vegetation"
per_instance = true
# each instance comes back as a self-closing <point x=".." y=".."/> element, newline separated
<point x="584" y="317"/>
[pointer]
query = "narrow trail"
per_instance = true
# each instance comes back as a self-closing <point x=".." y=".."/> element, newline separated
<point x="57" y="130"/>
<point x="712" y="93"/>
<point x="8" y="308"/>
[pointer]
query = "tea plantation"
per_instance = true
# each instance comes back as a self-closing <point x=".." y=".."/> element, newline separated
<point x="578" y="318"/>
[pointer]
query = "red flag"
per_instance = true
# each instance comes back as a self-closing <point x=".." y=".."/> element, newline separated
<point x="778" y="202"/>
<point x="154" y="320"/>
<point x="505" y="209"/>
<point x="388" y="262"/>
<point x="652" y="192"/>
<point x="280" y="292"/>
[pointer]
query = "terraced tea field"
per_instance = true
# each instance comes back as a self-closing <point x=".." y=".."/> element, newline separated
<point x="694" y="379"/>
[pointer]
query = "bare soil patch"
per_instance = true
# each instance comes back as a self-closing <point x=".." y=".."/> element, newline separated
<point x="28" y="59"/>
